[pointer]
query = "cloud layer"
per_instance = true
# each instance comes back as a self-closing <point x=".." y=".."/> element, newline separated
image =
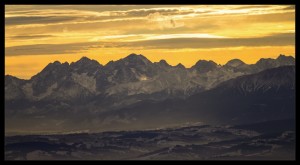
<point x="283" y="39"/>
<point x="163" y="31"/>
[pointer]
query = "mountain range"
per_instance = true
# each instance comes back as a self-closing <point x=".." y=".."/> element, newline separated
<point x="135" y="93"/>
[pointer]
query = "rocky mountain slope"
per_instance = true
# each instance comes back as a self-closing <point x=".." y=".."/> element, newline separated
<point x="126" y="81"/>
<point x="263" y="96"/>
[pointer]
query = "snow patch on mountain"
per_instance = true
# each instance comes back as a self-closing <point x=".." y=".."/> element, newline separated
<point x="49" y="91"/>
<point x="143" y="78"/>
<point x="86" y="81"/>
<point x="28" y="91"/>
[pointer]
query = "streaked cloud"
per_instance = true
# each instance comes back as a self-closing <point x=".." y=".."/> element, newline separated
<point x="47" y="16"/>
<point x="291" y="7"/>
<point x="25" y="37"/>
<point x="164" y="21"/>
<point x="40" y="49"/>
<point x="157" y="42"/>
<point x="178" y="43"/>
<point x="191" y="35"/>
<point x="36" y="20"/>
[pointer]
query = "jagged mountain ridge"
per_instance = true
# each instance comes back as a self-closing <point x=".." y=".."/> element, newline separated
<point x="264" y="96"/>
<point x="125" y="80"/>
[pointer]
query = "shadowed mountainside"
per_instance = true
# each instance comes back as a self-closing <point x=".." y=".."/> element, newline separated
<point x="137" y="94"/>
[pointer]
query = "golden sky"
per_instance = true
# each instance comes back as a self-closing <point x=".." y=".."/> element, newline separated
<point x="36" y="35"/>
